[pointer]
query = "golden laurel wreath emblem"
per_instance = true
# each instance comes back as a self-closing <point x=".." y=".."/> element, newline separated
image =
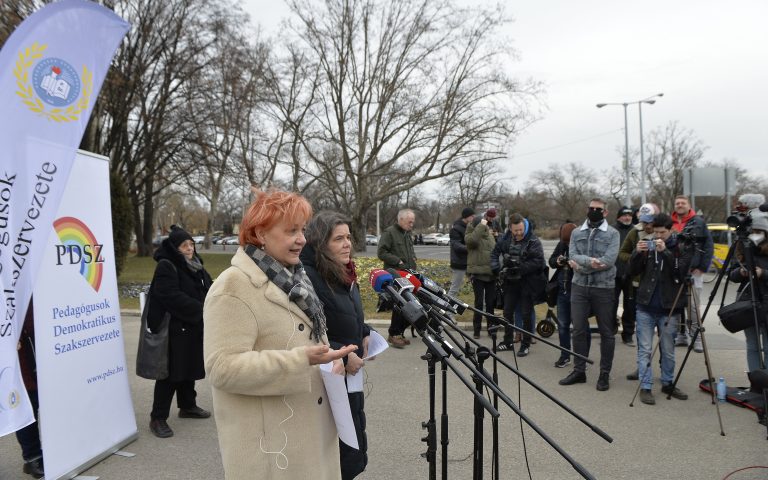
<point x="72" y="113"/>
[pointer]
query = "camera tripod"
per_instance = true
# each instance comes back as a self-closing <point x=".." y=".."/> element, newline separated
<point x="692" y="310"/>
<point x="749" y="265"/>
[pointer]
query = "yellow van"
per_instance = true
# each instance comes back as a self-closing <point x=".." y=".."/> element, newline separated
<point x="719" y="233"/>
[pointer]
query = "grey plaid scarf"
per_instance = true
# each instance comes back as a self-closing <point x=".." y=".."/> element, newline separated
<point x="295" y="284"/>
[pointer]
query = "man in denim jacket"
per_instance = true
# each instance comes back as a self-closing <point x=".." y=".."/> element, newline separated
<point x="593" y="251"/>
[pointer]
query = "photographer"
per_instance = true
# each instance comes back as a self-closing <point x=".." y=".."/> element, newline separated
<point x="662" y="264"/>
<point x="518" y="258"/>
<point x="739" y="274"/>
<point x="686" y="222"/>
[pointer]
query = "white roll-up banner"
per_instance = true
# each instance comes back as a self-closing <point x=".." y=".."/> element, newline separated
<point x="86" y="412"/>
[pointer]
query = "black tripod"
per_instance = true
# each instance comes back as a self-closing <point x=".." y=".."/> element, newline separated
<point x="742" y="234"/>
<point x="692" y="309"/>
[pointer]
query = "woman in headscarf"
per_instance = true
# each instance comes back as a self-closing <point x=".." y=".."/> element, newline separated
<point x="327" y="258"/>
<point x="265" y="339"/>
<point x="178" y="287"/>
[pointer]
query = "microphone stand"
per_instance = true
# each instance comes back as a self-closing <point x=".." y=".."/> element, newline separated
<point x="438" y="348"/>
<point x="494" y="388"/>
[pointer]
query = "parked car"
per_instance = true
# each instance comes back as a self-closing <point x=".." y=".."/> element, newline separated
<point x="430" y="239"/>
<point x="158" y="240"/>
<point x="233" y="240"/>
<point x="198" y="239"/>
<point x="371" y="240"/>
<point x="444" y="239"/>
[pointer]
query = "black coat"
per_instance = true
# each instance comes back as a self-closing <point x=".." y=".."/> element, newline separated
<point x="533" y="268"/>
<point x="564" y="273"/>
<point x="458" y="245"/>
<point x="664" y="271"/>
<point x="181" y="292"/>
<point x="342" y="307"/>
<point x="621" y="265"/>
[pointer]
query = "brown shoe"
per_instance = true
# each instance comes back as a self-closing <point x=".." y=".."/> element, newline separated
<point x="518" y="337"/>
<point x="397" y="341"/>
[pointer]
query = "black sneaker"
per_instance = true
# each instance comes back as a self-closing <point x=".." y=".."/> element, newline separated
<point x="504" y="346"/>
<point x="573" y="378"/>
<point x="523" y="352"/>
<point x="194" y="412"/>
<point x="563" y="362"/>
<point x="633" y="376"/>
<point x="602" y="382"/>
<point x="674" y="392"/>
<point x="626" y="339"/>
<point x="160" y="428"/>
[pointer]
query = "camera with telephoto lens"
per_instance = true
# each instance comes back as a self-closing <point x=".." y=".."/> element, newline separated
<point x="740" y="221"/>
<point x="511" y="265"/>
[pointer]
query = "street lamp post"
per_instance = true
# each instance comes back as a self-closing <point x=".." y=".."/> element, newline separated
<point x="650" y="101"/>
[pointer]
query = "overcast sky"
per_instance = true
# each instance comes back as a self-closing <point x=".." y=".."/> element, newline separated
<point x="707" y="57"/>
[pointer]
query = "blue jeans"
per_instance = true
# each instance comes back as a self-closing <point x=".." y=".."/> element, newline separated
<point x="753" y="351"/>
<point x="598" y="302"/>
<point x="647" y="322"/>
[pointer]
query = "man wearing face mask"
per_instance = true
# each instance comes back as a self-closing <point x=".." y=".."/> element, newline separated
<point x="593" y="251"/>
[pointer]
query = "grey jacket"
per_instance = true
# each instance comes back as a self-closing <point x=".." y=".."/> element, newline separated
<point x="601" y="243"/>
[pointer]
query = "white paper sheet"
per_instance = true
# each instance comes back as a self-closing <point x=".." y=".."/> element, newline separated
<point x="376" y="344"/>
<point x="337" y="397"/>
<point x="355" y="382"/>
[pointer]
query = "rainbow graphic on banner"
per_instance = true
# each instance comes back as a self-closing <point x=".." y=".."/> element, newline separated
<point x="75" y="234"/>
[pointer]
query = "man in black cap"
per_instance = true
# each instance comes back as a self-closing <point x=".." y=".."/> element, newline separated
<point x="623" y="281"/>
<point x="459" y="250"/>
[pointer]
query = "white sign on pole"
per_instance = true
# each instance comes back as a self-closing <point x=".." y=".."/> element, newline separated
<point x="86" y="412"/>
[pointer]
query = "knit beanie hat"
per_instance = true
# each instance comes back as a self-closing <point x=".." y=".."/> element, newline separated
<point x="467" y="212"/>
<point x="178" y="235"/>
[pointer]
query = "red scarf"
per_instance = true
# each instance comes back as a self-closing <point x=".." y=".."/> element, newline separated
<point x="679" y="223"/>
<point x="351" y="272"/>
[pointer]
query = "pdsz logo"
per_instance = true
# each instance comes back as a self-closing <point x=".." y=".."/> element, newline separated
<point x="79" y="254"/>
<point x="79" y="247"/>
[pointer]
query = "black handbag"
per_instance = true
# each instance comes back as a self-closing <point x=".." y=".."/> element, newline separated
<point x="739" y="315"/>
<point x="152" y="355"/>
<point x="553" y="288"/>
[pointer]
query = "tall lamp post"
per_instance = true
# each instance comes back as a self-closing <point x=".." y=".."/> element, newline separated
<point x="650" y="101"/>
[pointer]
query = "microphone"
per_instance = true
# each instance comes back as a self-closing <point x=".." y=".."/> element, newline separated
<point x="400" y="292"/>
<point x="425" y="295"/>
<point x="432" y="287"/>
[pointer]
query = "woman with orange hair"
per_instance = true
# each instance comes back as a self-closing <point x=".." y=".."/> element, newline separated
<point x="265" y="339"/>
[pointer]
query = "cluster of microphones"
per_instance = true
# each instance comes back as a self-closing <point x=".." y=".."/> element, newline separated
<point x="409" y="291"/>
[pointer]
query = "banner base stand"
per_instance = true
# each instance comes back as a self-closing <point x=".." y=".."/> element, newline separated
<point x="93" y="461"/>
<point x="123" y="453"/>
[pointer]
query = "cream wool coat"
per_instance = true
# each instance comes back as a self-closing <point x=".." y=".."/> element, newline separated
<point x="270" y="405"/>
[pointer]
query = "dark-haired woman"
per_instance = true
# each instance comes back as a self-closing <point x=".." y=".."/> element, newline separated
<point x="327" y="258"/>
<point x="179" y="287"/>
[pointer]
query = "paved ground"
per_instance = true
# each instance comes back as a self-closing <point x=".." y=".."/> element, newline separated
<point x="673" y="439"/>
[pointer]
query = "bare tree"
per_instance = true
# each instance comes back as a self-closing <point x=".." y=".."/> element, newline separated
<point x="408" y="91"/>
<point x="479" y="183"/>
<point x="569" y="187"/>
<point x="221" y="100"/>
<point x="146" y="121"/>
<point x="671" y="150"/>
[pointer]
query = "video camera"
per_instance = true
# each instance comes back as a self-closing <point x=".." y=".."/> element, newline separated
<point x="511" y="263"/>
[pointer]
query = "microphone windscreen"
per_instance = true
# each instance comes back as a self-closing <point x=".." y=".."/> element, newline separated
<point x="379" y="278"/>
<point x="411" y="278"/>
